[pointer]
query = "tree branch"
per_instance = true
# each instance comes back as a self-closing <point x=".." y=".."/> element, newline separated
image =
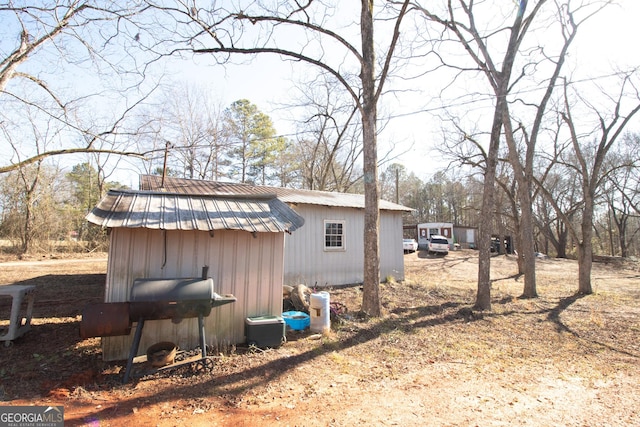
<point x="41" y="156"/>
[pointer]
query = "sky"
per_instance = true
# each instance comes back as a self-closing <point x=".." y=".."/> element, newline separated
<point x="413" y="134"/>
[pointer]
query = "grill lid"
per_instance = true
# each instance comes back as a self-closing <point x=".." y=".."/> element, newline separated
<point x="186" y="289"/>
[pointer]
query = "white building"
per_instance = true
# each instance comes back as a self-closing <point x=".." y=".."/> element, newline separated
<point x="252" y="239"/>
<point x="329" y="249"/>
<point x="428" y="229"/>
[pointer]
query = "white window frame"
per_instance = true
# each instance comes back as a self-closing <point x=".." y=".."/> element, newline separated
<point x="343" y="246"/>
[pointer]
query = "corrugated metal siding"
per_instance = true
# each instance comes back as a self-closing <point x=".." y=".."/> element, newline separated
<point x="391" y="253"/>
<point x="249" y="268"/>
<point x="288" y="195"/>
<point x="306" y="261"/>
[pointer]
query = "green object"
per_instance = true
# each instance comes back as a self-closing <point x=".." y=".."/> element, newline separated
<point x="265" y="331"/>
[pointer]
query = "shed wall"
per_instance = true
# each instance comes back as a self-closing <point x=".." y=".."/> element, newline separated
<point x="391" y="252"/>
<point x="250" y="268"/>
<point x="465" y="236"/>
<point x="307" y="262"/>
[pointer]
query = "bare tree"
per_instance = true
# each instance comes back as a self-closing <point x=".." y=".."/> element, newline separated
<point x="248" y="29"/>
<point x="26" y="184"/>
<point x="192" y="122"/>
<point x="506" y="61"/>
<point x="551" y="223"/>
<point x="181" y="129"/>
<point x="588" y="160"/>
<point x="51" y="39"/>
<point x="390" y="182"/>
<point x="620" y="192"/>
<point x="31" y="208"/>
<point x="287" y="165"/>
<point x="523" y="164"/>
<point x="329" y="136"/>
<point x="460" y="24"/>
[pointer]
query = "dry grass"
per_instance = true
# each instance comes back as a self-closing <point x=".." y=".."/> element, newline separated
<point x="430" y="360"/>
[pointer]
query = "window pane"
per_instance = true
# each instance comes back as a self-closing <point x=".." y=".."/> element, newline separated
<point x="333" y="241"/>
<point x="333" y="235"/>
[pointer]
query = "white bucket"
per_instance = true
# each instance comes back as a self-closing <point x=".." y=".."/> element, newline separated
<point x="320" y="312"/>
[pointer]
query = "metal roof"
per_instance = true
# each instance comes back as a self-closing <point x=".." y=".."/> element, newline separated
<point x="173" y="211"/>
<point x="287" y="195"/>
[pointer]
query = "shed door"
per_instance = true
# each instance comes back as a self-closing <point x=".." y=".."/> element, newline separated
<point x="471" y="236"/>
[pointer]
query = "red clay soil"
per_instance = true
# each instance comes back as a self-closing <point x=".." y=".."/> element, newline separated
<point x="560" y="359"/>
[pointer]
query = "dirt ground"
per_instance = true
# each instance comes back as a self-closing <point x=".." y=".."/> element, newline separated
<point x="560" y="359"/>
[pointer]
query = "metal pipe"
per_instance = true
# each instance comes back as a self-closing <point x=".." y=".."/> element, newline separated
<point x="203" y="344"/>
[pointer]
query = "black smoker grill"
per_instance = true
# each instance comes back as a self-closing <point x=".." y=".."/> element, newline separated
<point x="156" y="299"/>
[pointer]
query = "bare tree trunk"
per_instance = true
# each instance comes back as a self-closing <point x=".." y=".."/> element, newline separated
<point x="527" y="241"/>
<point x="371" y="297"/>
<point x="29" y="202"/>
<point x="585" y="263"/>
<point x="519" y="257"/>
<point x="27" y="225"/>
<point x="620" y="222"/>
<point x="483" y="296"/>
<point x="563" y="237"/>
<point x="500" y="79"/>
<point x="365" y="97"/>
<point x="526" y="250"/>
<point x="610" y="233"/>
<point x="524" y="178"/>
<point x="585" y="249"/>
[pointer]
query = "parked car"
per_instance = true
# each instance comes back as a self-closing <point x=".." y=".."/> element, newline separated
<point x="409" y="245"/>
<point x="438" y="245"/>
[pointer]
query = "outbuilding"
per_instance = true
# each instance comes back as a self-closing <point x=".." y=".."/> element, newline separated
<point x="465" y="236"/>
<point x="159" y="234"/>
<point x="329" y="249"/>
<point x="428" y="229"/>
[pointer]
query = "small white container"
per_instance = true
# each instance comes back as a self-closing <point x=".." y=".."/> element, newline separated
<point x="320" y="312"/>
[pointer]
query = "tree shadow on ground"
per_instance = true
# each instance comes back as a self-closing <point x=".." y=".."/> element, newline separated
<point x="516" y="277"/>
<point x="554" y="315"/>
<point x="229" y="386"/>
<point x="237" y="383"/>
<point x="47" y="355"/>
<point x="563" y="304"/>
<point x="232" y="386"/>
<point x="447" y="262"/>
